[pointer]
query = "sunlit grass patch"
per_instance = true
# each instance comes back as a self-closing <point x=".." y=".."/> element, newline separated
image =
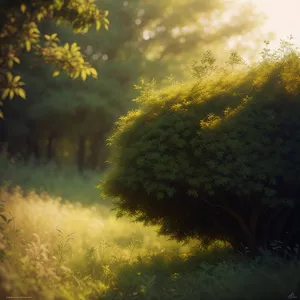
<point x="66" y="183"/>
<point x="81" y="246"/>
<point x="56" y="250"/>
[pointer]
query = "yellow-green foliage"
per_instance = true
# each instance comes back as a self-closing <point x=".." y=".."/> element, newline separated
<point x="218" y="143"/>
<point x="52" y="250"/>
<point x="65" y="183"/>
<point x="55" y="250"/>
<point x="172" y="120"/>
<point x="20" y="30"/>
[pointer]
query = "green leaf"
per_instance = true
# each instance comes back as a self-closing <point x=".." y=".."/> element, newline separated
<point x="20" y="92"/>
<point x="3" y="217"/>
<point x="16" y="79"/>
<point x="23" y="8"/>
<point x="83" y="75"/>
<point x="56" y="73"/>
<point x="28" y="45"/>
<point x="193" y="193"/>
<point x="10" y="63"/>
<point x="9" y="77"/>
<point x="17" y="60"/>
<point x="98" y="25"/>
<point x="5" y="94"/>
<point x="11" y="94"/>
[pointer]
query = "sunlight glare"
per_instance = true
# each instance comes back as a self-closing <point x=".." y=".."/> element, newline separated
<point x="283" y="18"/>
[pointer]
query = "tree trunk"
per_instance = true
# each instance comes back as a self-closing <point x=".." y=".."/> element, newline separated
<point x="36" y="149"/>
<point x="32" y="147"/>
<point x="50" y="146"/>
<point x="266" y="234"/>
<point x="81" y="153"/>
<point x="94" y="152"/>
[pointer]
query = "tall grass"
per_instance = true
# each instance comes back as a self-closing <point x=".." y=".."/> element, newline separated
<point x="66" y="183"/>
<point x="56" y="249"/>
<point x="52" y="249"/>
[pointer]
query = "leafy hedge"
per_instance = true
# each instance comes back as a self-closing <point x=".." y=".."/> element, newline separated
<point x="216" y="157"/>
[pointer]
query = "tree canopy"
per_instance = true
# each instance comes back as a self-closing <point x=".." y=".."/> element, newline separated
<point x="215" y="158"/>
<point x="19" y="31"/>
<point x="148" y="39"/>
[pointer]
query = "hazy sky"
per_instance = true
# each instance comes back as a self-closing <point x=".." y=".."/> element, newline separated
<point x="283" y="18"/>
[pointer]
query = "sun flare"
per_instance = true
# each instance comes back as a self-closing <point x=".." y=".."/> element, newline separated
<point x="282" y="19"/>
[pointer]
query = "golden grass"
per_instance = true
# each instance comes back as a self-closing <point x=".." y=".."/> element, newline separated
<point x="53" y="249"/>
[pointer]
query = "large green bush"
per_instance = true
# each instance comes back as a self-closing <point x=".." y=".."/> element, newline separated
<point x="216" y="158"/>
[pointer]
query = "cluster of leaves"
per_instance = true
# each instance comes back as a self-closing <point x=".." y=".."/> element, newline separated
<point x="20" y="31"/>
<point x="203" y="158"/>
<point x="4" y="212"/>
<point x="207" y="65"/>
<point x="141" y="43"/>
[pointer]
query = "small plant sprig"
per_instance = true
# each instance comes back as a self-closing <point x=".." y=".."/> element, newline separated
<point x="7" y="217"/>
<point x="146" y="285"/>
<point x="3" y="211"/>
<point x="63" y="246"/>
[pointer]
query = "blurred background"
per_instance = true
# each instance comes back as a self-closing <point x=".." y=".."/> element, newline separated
<point x="65" y="123"/>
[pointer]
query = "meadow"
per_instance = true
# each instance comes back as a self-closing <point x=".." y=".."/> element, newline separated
<point x="60" y="240"/>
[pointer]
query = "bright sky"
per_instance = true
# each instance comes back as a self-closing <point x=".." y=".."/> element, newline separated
<point x="283" y="18"/>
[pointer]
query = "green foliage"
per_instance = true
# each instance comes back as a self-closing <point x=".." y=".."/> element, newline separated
<point x="63" y="247"/>
<point x="209" y="157"/>
<point x="115" y="259"/>
<point x="229" y="279"/>
<point x="20" y="32"/>
<point x="62" y="113"/>
<point x="50" y="179"/>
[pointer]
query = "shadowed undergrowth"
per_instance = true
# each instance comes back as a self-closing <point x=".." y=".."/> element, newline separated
<point x="60" y="240"/>
<point x="55" y="250"/>
<point x="66" y="183"/>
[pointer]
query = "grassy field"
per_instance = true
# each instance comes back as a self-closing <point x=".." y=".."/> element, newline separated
<point x="73" y="247"/>
<point x="65" y="183"/>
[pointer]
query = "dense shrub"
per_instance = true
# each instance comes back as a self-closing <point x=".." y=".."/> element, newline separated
<point x="216" y="158"/>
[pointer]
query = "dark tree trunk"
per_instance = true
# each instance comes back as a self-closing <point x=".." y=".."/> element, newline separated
<point x="33" y="147"/>
<point x="36" y="149"/>
<point x="50" y="146"/>
<point x="94" y="153"/>
<point x="98" y="152"/>
<point x="28" y="146"/>
<point x="81" y="153"/>
<point x="266" y="232"/>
